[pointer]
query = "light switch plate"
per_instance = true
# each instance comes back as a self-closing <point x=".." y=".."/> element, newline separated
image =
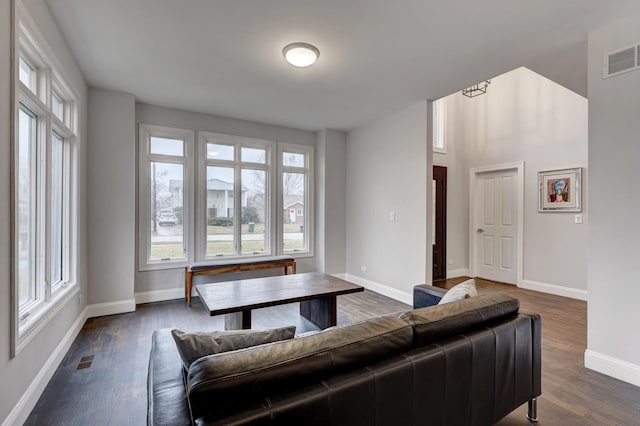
<point x="578" y="218"/>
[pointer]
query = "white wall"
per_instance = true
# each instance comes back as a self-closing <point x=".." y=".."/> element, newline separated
<point x="26" y="375"/>
<point x="522" y="117"/>
<point x="112" y="207"/>
<point x="387" y="171"/>
<point x="331" y="198"/>
<point x="614" y="232"/>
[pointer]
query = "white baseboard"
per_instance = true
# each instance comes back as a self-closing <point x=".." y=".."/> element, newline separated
<point x="455" y="273"/>
<point x="621" y="370"/>
<point x="29" y="398"/>
<point x="160" y="295"/>
<point x="558" y="290"/>
<point x="383" y="289"/>
<point x="111" y="308"/>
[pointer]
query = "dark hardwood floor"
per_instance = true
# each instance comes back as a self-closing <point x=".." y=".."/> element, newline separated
<point x="112" y="390"/>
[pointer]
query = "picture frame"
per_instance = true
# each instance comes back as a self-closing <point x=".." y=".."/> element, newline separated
<point x="560" y="190"/>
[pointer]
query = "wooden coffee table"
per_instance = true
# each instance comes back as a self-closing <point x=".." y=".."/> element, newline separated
<point x="315" y="291"/>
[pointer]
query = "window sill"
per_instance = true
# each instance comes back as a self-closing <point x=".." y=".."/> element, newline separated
<point x="42" y="314"/>
<point x="298" y="254"/>
<point x="175" y="264"/>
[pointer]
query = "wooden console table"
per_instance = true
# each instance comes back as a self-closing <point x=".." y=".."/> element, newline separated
<point x="235" y="265"/>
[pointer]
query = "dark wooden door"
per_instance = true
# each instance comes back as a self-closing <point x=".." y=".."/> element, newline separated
<point x="440" y="223"/>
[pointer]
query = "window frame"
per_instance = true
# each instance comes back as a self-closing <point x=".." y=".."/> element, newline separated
<point x="309" y="182"/>
<point x="439" y="121"/>
<point x="30" y="47"/>
<point x="146" y="132"/>
<point x="238" y="142"/>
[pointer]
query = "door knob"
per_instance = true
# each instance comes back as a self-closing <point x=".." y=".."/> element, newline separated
<point x="479" y="230"/>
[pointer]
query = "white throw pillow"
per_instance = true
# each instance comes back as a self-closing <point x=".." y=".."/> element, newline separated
<point x="459" y="292"/>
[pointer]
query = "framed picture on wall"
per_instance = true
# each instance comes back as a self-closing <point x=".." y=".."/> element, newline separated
<point x="560" y="190"/>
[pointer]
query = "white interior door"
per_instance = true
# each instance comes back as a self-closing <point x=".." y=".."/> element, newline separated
<point x="496" y="226"/>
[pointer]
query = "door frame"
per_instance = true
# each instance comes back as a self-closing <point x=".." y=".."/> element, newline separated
<point x="473" y="183"/>
<point x="443" y="208"/>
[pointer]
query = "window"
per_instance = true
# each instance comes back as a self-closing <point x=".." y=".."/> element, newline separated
<point x="164" y="196"/>
<point x="57" y="106"/>
<point x="295" y="186"/>
<point x="27" y="74"/>
<point x="439" y="108"/>
<point x="236" y="177"/>
<point x="227" y="199"/>
<point x="44" y="190"/>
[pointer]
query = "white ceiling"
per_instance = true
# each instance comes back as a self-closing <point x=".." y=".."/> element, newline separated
<point x="224" y="57"/>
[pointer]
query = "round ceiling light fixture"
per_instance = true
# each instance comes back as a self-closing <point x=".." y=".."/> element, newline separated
<point x="301" y="55"/>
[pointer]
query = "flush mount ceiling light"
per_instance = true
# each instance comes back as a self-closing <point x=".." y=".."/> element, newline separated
<point x="300" y="55"/>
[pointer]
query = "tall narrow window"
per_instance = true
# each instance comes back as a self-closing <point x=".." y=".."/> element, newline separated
<point x="164" y="195"/>
<point x="26" y="214"/>
<point x="236" y="191"/>
<point x="57" y="216"/>
<point x="439" y="125"/>
<point x="296" y="187"/>
<point x="220" y="207"/>
<point x="44" y="191"/>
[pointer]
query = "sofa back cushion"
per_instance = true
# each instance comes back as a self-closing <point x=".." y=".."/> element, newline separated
<point x="300" y="360"/>
<point x="437" y="322"/>
<point x="192" y="346"/>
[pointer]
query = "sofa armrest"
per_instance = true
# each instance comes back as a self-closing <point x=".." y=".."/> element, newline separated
<point x="427" y="295"/>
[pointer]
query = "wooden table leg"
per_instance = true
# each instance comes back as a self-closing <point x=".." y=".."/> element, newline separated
<point x="322" y="312"/>
<point x="188" y="282"/>
<point x="238" y="320"/>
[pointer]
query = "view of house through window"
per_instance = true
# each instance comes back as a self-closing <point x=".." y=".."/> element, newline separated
<point x="234" y="197"/>
<point x="295" y="198"/>
<point x="237" y="180"/>
<point x="220" y="209"/>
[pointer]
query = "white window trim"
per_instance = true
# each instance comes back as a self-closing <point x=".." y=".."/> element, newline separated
<point x="308" y="198"/>
<point x="28" y="42"/>
<point x="441" y="104"/>
<point x="201" y="198"/>
<point x="146" y="131"/>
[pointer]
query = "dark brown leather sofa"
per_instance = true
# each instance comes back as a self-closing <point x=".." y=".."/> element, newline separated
<point x="465" y="363"/>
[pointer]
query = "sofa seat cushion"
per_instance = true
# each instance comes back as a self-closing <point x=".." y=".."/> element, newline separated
<point x="192" y="346"/>
<point x="460" y="291"/>
<point x="300" y="360"/>
<point x="167" y="398"/>
<point x="437" y="322"/>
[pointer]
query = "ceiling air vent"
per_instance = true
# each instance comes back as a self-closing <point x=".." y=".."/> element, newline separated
<point x="621" y="61"/>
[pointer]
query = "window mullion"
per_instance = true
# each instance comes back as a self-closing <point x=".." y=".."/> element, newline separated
<point x="47" y="172"/>
<point x="237" y="202"/>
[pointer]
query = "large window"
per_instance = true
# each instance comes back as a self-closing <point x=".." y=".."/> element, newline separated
<point x="233" y="197"/>
<point x="44" y="194"/>
<point x="295" y="183"/>
<point x="165" y="195"/>
<point x="235" y="189"/>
